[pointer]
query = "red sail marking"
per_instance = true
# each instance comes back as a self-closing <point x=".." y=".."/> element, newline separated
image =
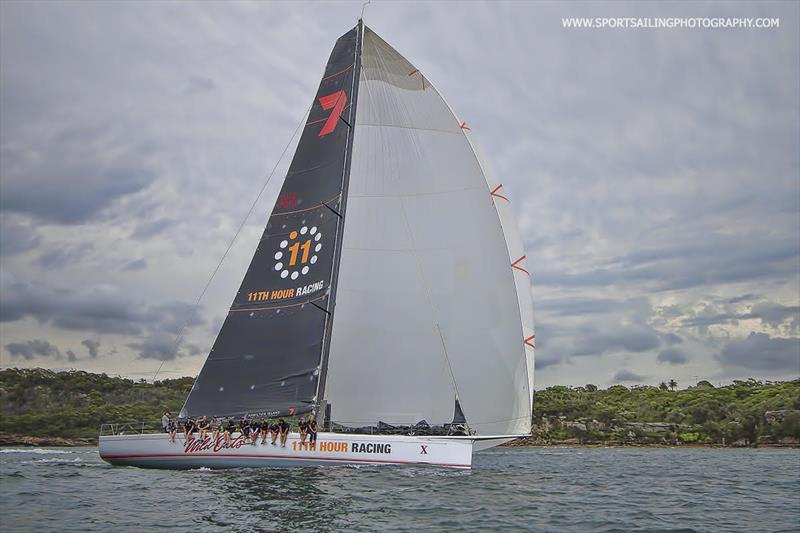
<point x="335" y="101"/>
<point x="465" y="127"/>
<point x="497" y="194"/>
<point x="515" y="265"/>
<point x="529" y="343"/>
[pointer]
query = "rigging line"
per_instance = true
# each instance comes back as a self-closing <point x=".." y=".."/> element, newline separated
<point x="179" y="336"/>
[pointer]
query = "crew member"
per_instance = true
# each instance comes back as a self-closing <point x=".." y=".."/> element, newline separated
<point x="283" y="427"/>
<point x="202" y="425"/>
<point x="303" y="429"/>
<point x="230" y="427"/>
<point x="165" y="421"/>
<point x="312" y="430"/>
<point x="264" y="430"/>
<point x="172" y="428"/>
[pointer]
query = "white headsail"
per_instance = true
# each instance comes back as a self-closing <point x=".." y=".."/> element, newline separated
<point x="429" y="307"/>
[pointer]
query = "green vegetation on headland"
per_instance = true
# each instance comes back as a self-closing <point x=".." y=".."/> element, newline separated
<point x="38" y="403"/>
<point x="744" y="413"/>
<point x="73" y="405"/>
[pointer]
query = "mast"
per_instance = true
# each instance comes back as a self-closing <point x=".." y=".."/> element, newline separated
<point x="351" y="121"/>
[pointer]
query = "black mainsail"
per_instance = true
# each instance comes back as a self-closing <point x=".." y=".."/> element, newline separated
<point x="270" y="356"/>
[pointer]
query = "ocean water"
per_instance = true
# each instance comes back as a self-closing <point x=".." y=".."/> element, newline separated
<point x="533" y="489"/>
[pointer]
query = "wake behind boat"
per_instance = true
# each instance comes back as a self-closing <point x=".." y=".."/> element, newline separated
<point x="389" y="290"/>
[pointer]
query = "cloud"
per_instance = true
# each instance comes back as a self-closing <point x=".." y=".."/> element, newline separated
<point x="31" y="349"/>
<point x="100" y="308"/>
<point x="70" y="176"/>
<point x="150" y="228"/>
<point x="759" y="351"/>
<point x="625" y="337"/>
<point x="672" y="356"/>
<point x="163" y="347"/>
<point x="93" y="347"/>
<point x="61" y="256"/>
<point x="17" y="238"/>
<point x="136" y="264"/>
<point x="672" y="339"/>
<point x="627" y="375"/>
<point x="71" y="357"/>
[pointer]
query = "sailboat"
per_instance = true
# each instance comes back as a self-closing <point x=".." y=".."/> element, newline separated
<point x="389" y="294"/>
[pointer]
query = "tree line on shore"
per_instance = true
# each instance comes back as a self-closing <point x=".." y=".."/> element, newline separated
<point x="746" y="411"/>
<point x="43" y="403"/>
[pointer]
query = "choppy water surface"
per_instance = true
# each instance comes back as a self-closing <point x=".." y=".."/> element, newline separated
<point x="537" y="489"/>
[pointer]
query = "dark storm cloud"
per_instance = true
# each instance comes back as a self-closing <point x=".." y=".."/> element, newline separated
<point x="71" y="357"/>
<point x="760" y="351"/>
<point x="163" y="347"/>
<point x="714" y="260"/>
<point x="31" y="349"/>
<point x="93" y="347"/>
<point x="673" y="356"/>
<point x="627" y="375"/>
<point x="592" y="340"/>
<point x="16" y="238"/>
<point x="136" y="264"/>
<point x="71" y="177"/>
<point x="98" y="308"/>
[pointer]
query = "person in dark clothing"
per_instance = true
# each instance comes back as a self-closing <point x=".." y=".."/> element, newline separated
<point x="188" y="428"/>
<point x="283" y="427"/>
<point x="303" y="429"/>
<point x="255" y="429"/>
<point x="264" y="430"/>
<point x="172" y="428"/>
<point x="244" y="428"/>
<point x="230" y="427"/>
<point x="275" y="429"/>
<point x="202" y="426"/>
<point x="312" y="430"/>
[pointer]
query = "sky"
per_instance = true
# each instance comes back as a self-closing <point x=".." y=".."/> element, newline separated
<point x="655" y="173"/>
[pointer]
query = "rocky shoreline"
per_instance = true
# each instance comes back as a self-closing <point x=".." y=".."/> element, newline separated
<point x="25" y="440"/>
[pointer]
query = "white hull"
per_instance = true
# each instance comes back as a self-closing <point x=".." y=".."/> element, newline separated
<point x="156" y="451"/>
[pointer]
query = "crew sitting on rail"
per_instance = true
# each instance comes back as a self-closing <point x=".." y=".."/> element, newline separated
<point x="188" y="428"/>
<point x="202" y="425"/>
<point x="274" y="428"/>
<point x="172" y="428"/>
<point x="230" y="427"/>
<point x="244" y="428"/>
<point x="312" y="430"/>
<point x="214" y="428"/>
<point x="264" y="430"/>
<point x="283" y="426"/>
<point x="255" y="429"/>
<point x="303" y="430"/>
